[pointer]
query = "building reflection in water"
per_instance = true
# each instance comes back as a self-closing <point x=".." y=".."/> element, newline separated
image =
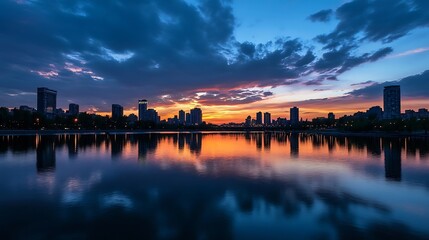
<point x="72" y="145"/>
<point x="147" y="143"/>
<point x="117" y="144"/>
<point x="45" y="154"/>
<point x="259" y="141"/>
<point x="195" y="142"/>
<point x="294" y="145"/>
<point x="392" y="158"/>
<point x="267" y="141"/>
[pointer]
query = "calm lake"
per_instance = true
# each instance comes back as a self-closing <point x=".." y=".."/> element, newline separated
<point x="213" y="186"/>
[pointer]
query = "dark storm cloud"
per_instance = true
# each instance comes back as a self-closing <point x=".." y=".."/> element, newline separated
<point x="376" y="20"/>
<point x="321" y="16"/>
<point x="412" y="87"/>
<point x="342" y="59"/>
<point x="100" y="52"/>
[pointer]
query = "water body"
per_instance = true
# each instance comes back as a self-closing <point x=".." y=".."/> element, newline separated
<point x="213" y="186"/>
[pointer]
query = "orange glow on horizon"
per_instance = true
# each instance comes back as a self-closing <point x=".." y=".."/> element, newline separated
<point x="219" y="114"/>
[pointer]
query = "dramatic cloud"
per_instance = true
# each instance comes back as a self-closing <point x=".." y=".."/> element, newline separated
<point x="96" y="53"/>
<point x="375" y="20"/>
<point x="321" y="16"/>
<point x="341" y="60"/>
<point x="104" y="51"/>
<point x="411" y="87"/>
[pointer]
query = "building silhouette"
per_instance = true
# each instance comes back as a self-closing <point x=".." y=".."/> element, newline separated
<point x="182" y="117"/>
<point x="392" y="102"/>
<point x="145" y="114"/>
<point x="117" y="111"/>
<point x="259" y="118"/>
<point x="267" y="119"/>
<point x="294" y="115"/>
<point x="142" y="108"/>
<point x="375" y="112"/>
<point x="188" y="118"/>
<point x="248" y="121"/>
<point x="73" y="109"/>
<point x="331" y="116"/>
<point x="46" y="101"/>
<point x="196" y="116"/>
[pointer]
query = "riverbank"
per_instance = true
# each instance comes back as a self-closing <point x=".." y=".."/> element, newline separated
<point x="331" y="132"/>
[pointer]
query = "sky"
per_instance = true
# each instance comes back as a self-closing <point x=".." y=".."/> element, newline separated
<point x="232" y="58"/>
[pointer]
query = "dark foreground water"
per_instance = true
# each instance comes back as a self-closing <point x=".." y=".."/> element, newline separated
<point x="213" y="186"/>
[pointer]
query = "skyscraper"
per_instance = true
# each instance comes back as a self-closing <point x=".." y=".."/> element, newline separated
<point x="182" y="117"/>
<point x="259" y="118"/>
<point x="142" y="108"/>
<point x="294" y="115"/>
<point x="117" y="111"/>
<point x="46" y="101"/>
<point x="188" y="118"/>
<point x="267" y="118"/>
<point x="73" y="109"/>
<point x="196" y="116"/>
<point x="392" y="102"/>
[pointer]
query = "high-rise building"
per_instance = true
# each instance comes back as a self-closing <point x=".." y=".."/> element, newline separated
<point x="392" y="102"/>
<point x="188" y="118"/>
<point x="46" y="101"/>
<point x="151" y="115"/>
<point x="267" y="119"/>
<point x="142" y="108"/>
<point x="117" y="111"/>
<point x="182" y="117"/>
<point x="196" y="116"/>
<point x="73" y="109"/>
<point x="294" y="115"/>
<point x="259" y="118"/>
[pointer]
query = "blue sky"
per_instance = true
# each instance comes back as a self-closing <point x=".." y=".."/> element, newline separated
<point x="230" y="57"/>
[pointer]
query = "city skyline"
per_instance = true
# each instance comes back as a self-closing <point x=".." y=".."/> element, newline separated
<point x="231" y="58"/>
<point x="47" y="102"/>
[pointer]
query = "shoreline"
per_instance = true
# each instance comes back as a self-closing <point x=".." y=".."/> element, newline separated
<point x="336" y="133"/>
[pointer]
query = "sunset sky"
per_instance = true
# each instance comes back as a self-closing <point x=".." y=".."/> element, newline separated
<point x="231" y="58"/>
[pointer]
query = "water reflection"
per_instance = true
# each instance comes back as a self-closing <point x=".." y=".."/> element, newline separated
<point x="215" y="186"/>
<point x="392" y="158"/>
<point x="45" y="154"/>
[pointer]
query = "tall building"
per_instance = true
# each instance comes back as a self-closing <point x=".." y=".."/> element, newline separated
<point x="259" y="118"/>
<point x="46" y="101"/>
<point x="117" y="111"/>
<point x="294" y="115"/>
<point x="142" y="108"/>
<point x="73" y="109"/>
<point x="196" y="116"/>
<point x="267" y="118"/>
<point x="182" y="117"/>
<point x="392" y="102"/>
<point x="150" y="115"/>
<point x="188" y="118"/>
